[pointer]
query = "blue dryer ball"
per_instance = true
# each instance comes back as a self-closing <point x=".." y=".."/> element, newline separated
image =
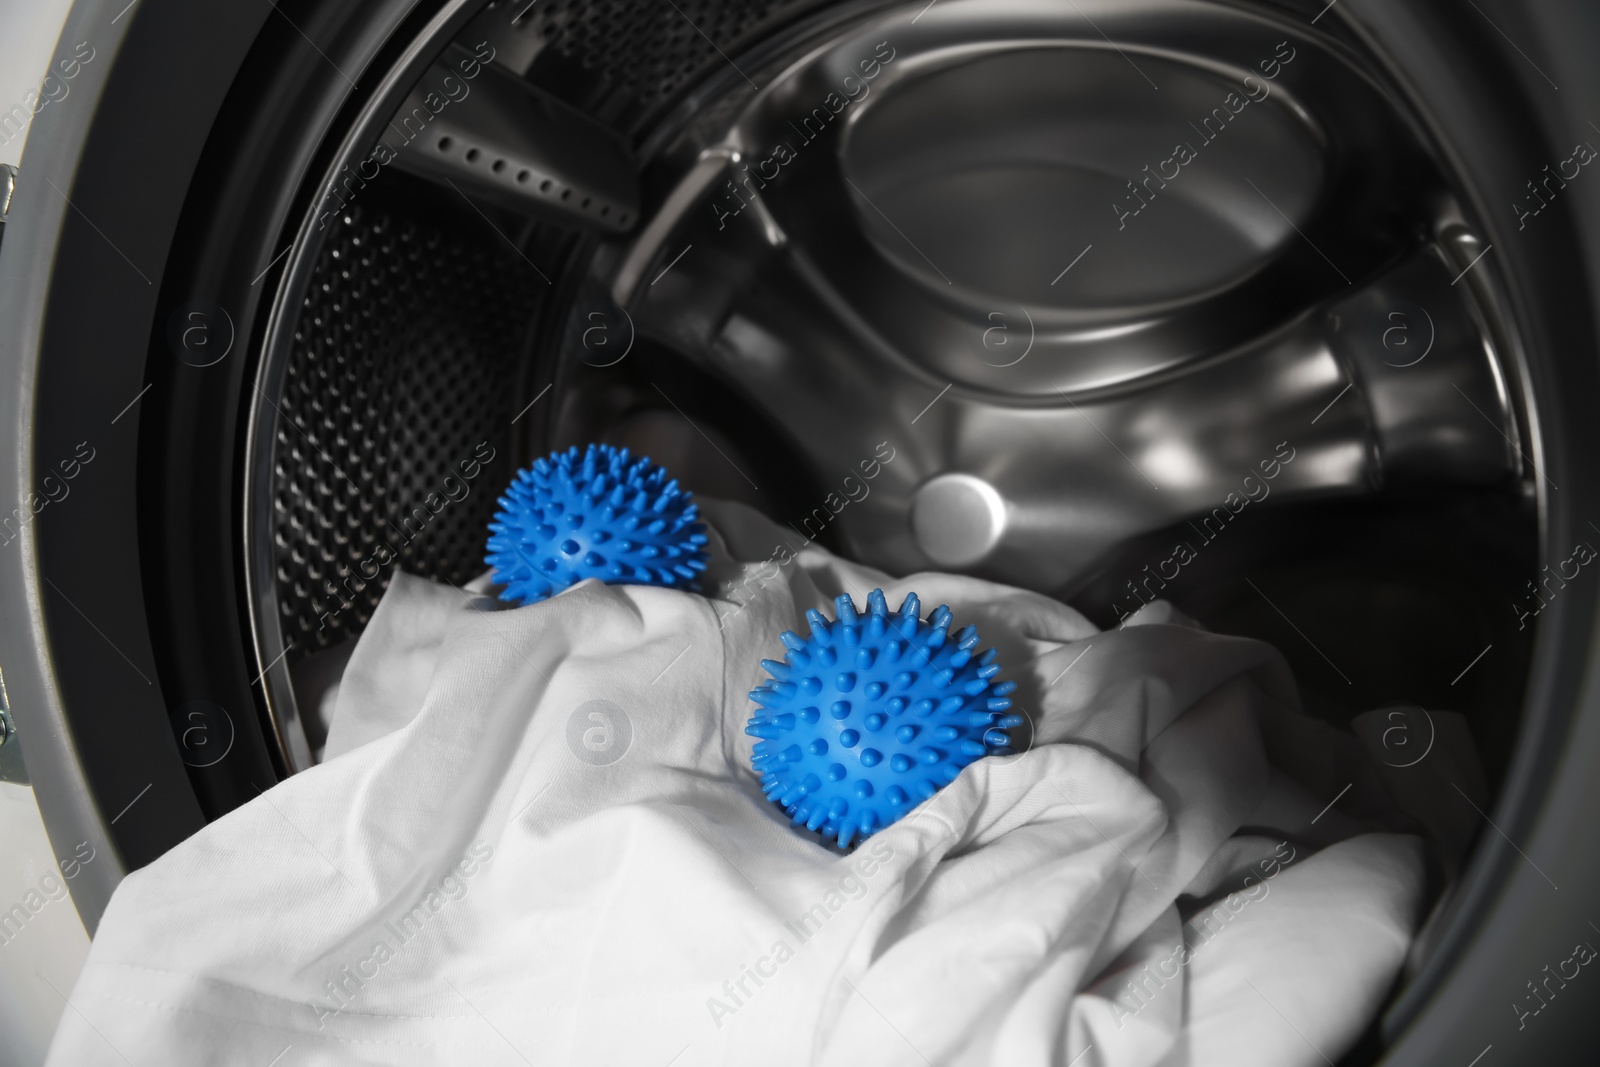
<point x="599" y="513"/>
<point x="873" y="715"/>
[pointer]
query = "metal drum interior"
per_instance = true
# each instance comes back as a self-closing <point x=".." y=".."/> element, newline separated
<point x="1087" y="294"/>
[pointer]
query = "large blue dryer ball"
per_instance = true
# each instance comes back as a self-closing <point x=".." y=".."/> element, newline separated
<point x="871" y="716"/>
<point x="599" y="513"/>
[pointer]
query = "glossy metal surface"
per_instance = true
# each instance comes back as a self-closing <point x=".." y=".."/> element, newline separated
<point x="472" y="124"/>
<point x="12" y="769"/>
<point x="8" y="185"/>
<point x="956" y="519"/>
<point x="951" y="233"/>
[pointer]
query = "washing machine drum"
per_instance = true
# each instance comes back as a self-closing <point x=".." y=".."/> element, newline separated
<point x="289" y="290"/>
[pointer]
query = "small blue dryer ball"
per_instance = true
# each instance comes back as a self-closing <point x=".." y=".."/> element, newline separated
<point x="873" y="715"/>
<point x="598" y="513"/>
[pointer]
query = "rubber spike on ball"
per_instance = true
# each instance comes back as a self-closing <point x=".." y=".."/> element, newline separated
<point x="596" y="513"/>
<point x="871" y="715"/>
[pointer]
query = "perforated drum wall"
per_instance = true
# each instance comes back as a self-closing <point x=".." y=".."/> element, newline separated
<point x="405" y="353"/>
<point x="410" y="341"/>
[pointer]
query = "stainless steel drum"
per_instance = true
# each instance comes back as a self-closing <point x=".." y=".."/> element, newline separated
<point x="1279" y="310"/>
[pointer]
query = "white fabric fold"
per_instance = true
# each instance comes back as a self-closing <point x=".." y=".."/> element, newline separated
<point x="536" y="839"/>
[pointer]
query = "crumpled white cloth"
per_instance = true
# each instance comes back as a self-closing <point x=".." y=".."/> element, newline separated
<point x="536" y="839"/>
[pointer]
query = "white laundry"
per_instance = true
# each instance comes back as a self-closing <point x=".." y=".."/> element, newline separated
<point x="536" y="839"/>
